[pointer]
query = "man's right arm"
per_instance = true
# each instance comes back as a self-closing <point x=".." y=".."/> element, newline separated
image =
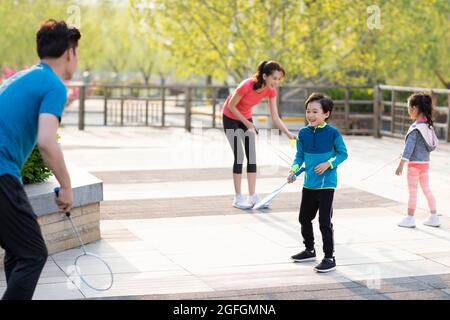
<point x="53" y="157"/>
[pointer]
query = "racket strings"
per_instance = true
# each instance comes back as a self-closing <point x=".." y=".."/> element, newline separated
<point x="79" y="260"/>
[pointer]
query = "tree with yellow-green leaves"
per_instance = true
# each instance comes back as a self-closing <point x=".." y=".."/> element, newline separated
<point x="110" y="42"/>
<point x="18" y="25"/>
<point x="20" y="20"/>
<point x="345" y="41"/>
<point x="403" y="42"/>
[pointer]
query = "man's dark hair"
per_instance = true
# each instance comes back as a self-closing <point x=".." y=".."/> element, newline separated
<point x="54" y="38"/>
<point x="325" y="102"/>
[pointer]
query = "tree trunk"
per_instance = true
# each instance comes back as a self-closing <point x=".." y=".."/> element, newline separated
<point x="441" y="78"/>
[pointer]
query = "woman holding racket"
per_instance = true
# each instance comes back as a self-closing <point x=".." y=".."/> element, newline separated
<point x="240" y="130"/>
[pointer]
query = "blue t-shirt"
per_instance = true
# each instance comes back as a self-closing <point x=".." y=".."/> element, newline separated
<point x="23" y="97"/>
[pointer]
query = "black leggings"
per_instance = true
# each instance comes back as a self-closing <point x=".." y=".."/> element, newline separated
<point x="236" y="133"/>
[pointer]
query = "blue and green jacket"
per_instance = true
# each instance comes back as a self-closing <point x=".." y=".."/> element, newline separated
<point x="314" y="146"/>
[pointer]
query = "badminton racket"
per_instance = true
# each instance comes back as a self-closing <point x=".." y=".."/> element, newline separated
<point x="268" y="199"/>
<point x="89" y="260"/>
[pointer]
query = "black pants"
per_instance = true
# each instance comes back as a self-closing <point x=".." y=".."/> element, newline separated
<point x="313" y="200"/>
<point x="21" y="238"/>
<point x="237" y="135"/>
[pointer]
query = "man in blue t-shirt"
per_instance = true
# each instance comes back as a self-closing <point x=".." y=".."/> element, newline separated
<point x="31" y="104"/>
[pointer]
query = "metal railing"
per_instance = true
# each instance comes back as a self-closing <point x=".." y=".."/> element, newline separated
<point x="378" y="111"/>
<point x="185" y="106"/>
<point x="351" y="115"/>
<point x="391" y="116"/>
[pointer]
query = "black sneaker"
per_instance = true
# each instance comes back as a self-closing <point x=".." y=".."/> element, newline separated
<point x="305" y="255"/>
<point x="327" y="265"/>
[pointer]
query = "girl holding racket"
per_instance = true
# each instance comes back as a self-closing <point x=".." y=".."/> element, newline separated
<point x="240" y="130"/>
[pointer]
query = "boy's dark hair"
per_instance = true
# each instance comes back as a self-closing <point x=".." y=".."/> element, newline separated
<point x="424" y="102"/>
<point x="54" y="38"/>
<point x="267" y="68"/>
<point x="325" y="102"/>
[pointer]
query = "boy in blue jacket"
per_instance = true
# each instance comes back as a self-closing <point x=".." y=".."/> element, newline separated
<point x="322" y="148"/>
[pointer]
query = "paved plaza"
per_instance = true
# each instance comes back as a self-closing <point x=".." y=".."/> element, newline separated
<point x="169" y="230"/>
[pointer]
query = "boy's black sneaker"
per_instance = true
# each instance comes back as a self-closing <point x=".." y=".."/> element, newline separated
<point x="327" y="265"/>
<point x="305" y="255"/>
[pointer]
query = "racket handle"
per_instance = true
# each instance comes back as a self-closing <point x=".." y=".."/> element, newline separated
<point x="56" y="191"/>
<point x="299" y="171"/>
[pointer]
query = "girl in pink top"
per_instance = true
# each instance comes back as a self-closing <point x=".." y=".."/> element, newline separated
<point x="240" y="130"/>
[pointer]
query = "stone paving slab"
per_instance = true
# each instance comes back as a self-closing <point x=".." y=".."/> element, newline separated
<point x="404" y="288"/>
<point x="346" y="197"/>
<point x="175" y="174"/>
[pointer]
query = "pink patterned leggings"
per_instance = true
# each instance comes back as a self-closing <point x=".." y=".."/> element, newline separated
<point x="419" y="173"/>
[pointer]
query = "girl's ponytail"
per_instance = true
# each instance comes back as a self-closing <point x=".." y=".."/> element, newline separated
<point x="424" y="102"/>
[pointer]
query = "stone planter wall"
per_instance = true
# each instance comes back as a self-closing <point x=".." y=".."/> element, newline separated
<point x="55" y="226"/>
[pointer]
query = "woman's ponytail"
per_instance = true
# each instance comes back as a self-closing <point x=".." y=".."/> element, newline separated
<point x="265" y="67"/>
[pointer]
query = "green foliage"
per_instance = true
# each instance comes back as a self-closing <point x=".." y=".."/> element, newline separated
<point x="102" y="91"/>
<point x="353" y="94"/>
<point x="326" y="41"/>
<point x="135" y="92"/>
<point x="35" y="169"/>
<point x="110" y="41"/>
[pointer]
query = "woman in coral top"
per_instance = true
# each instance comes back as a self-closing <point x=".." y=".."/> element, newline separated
<point x="240" y="130"/>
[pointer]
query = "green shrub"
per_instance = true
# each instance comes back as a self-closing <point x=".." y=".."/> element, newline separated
<point x="35" y="169"/>
<point x="135" y="92"/>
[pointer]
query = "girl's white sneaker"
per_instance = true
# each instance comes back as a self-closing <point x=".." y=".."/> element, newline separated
<point x="407" y="222"/>
<point x="432" y="221"/>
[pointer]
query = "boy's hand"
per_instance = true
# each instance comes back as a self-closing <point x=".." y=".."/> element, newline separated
<point x="291" y="177"/>
<point x="321" y="168"/>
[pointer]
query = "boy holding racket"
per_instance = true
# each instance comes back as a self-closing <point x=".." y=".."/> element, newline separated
<point x="31" y="105"/>
<point x="322" y="148"/>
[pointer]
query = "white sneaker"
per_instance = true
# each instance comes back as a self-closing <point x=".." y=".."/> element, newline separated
<point x="407" y="222"/>
<point x="254" y="199"/>
<point x="241" y="202"/>
<point x="432" y="221"/>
